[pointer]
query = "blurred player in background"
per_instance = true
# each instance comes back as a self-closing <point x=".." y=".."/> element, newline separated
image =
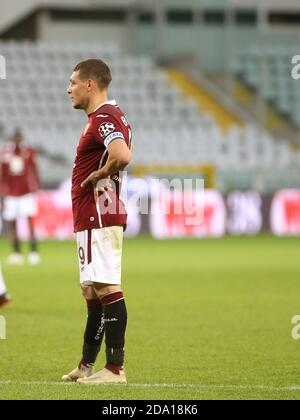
<point x="19" y="183"/>
<point x="5" y="298"/>
<point x="104" y="148"/>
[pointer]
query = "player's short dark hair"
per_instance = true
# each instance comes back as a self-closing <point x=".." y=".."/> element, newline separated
<point x="95" y="69"/>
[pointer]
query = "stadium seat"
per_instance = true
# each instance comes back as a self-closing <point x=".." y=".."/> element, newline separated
<point x="277" y="87"/>
<point x="168" y="128"/>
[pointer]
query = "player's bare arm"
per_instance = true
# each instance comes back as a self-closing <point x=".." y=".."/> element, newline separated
<point x="119" y="157"/>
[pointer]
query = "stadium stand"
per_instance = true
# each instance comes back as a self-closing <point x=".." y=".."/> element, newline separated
<point x="267" y="69"/>
<point x="34" y="98"/>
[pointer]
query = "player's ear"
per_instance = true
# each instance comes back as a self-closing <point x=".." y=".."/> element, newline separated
<point x="89" y="84"/>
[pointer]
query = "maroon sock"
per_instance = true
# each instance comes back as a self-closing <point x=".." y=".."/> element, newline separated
<point x="114" y="368"/>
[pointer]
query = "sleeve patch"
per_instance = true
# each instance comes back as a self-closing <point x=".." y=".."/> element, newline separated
<point x="106" y="128"/>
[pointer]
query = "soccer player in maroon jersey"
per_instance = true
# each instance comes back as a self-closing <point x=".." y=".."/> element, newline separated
<point x="99" y="220"/>
<point x="19" y="183"/>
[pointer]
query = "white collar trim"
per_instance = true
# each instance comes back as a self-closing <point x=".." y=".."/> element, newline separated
<point x="113" y="102"/>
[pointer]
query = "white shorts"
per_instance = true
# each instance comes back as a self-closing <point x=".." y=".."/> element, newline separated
<point x="100" y="255"/>
<point x="16" y="207"/>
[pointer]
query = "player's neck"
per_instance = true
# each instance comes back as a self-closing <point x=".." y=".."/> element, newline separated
<point x="96" y="102"/>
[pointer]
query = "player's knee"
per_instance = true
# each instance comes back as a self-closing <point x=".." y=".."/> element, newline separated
<point x="104" y="289"/>
<point x="88" y="292"/>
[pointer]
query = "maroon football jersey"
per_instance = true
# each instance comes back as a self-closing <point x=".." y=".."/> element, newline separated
<point x="105" y="125"/>
<point x="19" y="173"/>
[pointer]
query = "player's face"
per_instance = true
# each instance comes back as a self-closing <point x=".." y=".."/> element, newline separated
<point x="17" y="138"/>
<point x="78" y="92"/>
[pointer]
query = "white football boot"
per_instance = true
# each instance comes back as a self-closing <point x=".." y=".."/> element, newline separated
<point x="16" y="259"/>
<point x="34" y="258"/>
<point x="105" y="376"/>
<point x="78" y="373"/>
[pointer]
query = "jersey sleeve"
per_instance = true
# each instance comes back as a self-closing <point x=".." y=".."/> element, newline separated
<point x="3" y="174"/>
<point x="107" y="129"/>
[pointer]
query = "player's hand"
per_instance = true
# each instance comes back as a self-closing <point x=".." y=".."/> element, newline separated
<point x="93" y="178"/>
<point x="104" y="185"/>
<point x="99" y="185"/>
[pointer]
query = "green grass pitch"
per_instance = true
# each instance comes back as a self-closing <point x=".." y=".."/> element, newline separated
<point x="208" y="319"/>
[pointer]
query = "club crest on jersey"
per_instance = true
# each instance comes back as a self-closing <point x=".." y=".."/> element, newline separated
<point x="106" y="128"/>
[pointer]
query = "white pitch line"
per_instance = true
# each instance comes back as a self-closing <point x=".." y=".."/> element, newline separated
<point x="195" y="386"/>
